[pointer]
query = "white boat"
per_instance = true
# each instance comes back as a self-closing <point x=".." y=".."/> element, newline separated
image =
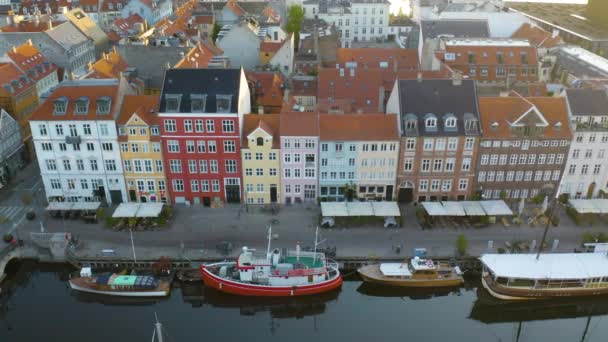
<point x="120" y="285"/>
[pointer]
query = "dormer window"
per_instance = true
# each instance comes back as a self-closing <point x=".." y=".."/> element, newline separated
<point x="172" y="103"/>
<point x="82" y="106"/>
<point x="494" y="125"/>
<point x="197" y="103"/>
<point x="430" y="122"/>
<point x="450" y="122"/>
<point x="103" y="105"/>
<point x="222" y="103"/>
<point x="260" y="141"/>
<point x="60" y="105"/>
<point x="558" y="125"/>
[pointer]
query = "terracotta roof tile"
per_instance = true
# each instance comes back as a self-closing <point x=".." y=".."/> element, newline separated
<point x="488" y="54"/>
<point x="372" y="57"/>
<point x="268" y="88"/>
<point x="304" y="87"/>
<point x="299" y="124"/>
<point x="31" y="26"/>
<point x="506" y="110"/>
<point x="200" y="19"/>
<point x="12" y="80"/>
<point x="145" y="106"/>
<point x="199" y="56"/>
<point x="356" y="90"/>
<point x="358" y="127"/>
<point x="268" y="122"/>
<point x="73" y="90"/>
<point x="537" y="36"/>
<point x="270" y="46"/>
<point x="29" y="59"/>
<point x="110" y="65"/>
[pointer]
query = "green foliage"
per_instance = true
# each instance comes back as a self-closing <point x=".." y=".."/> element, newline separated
<point x="110" y="221"/>
<point x="295" y="16"/>
<point x="503" y="195"/>
<point x="7" y="238"/>
<point x="563" y="198"/>
<point x="501" y="250"/>
<point x="162" y="221"/>
<point x="314" y="72"/>
<point x="350" y="191"/>
<point x="216" y="31"/>
<point x="461" y="245"/>
<point x="574" y="216"/>
<point x="26" y="199"/>
<point x="594" y="238"/>
<point x="476" y="196"/>
<point x="100" y="214"/>
<point x="555" y="221"/>
<point x="538" y="199"/>
<point x="421" y="215"/>
<point x="132" y="221"/>
<point x="3" y="219"/>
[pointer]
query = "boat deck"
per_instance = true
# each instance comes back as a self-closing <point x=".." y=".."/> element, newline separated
<point x="307" y="261"/>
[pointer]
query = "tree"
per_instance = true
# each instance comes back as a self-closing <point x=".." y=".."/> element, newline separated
<point x="26" y="199"/>
<point x="216" y="30"/>
<point x="461" y="245"/>
<point x="350" y="191"/>
<point x="295" y="16"/>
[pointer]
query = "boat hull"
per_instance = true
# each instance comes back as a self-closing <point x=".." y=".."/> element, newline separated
<point x="160" y="292"/>
<point x="247" y="289"/>
<point x="509" y="293"/>
<point x="372" y="274"/>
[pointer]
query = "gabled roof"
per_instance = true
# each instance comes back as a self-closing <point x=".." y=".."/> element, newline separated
<point x="6" y="119"/>
<point x="208" y="82"/>
<point x="30" y="25"/>
<point x="440" y="98"/>
<point x="587" y="102"/>
<point x="268" y="87"/>
<point x="358" y="127"/>
<point x="537" y="36"/>
<point x="126" y="26"/>
<point x="498" y="114"/>
<point x="373" y="57"/>
<point x="200" y="56"/>
<point x="300" y="124"/>
<point x="12" y="80"/>
<point x="67" y="35"/>
<point x="270" y="47"/>
<point x="92" y="90"/>
<point x="200" y="19"/>
<point x="110" y="65"/>
<point x="269" y="123"/>
<point x="29" y="59"/>
<point x="144" y="106"/>
<point x="349" y="89"/>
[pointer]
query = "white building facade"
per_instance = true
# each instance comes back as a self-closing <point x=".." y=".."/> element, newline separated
<point x="586" y="172"/>
<point x="356" y="20"/>
<point x="76" y="142"/>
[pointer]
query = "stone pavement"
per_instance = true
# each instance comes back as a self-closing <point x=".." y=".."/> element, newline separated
<point x="200" y="229"/>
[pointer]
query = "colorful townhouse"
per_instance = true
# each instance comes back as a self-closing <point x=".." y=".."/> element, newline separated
<point x="141" y="150"/>
<point x="299" y="155"/>
<point x="260" y="157"/>
<point x="76" y="140"/>
<point x="201" y="116"/>
<point x="439" y="127"/>
<point x="358" y="154"/>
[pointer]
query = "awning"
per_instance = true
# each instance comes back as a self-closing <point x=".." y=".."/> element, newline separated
<point x="434" y="209"/>
<point x="453" y="208"/>
<point x="89" y="206"/>
<point x="359" y="209"/>
<point x="126" y="210"/>
<point x="333" y="209"/>
<point x="473" y="208"/>
<point x="386" y="209"/>
<point x="601" y="205"/>
<point x="496" y="208"/>
<point x="60" y="206"/>
<point x="149" y="210"/>
<point x="584" y="206"/>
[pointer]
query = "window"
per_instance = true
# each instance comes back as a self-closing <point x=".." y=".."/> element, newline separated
<point x="273" y="156"/>
<point x="272" y="171"/>
<point x="572" y="170"/>
<point x="259" y="172"/>
<point x="260" y="156"/>
<point x="124" y="147"/>
<point x="175" y="165"/>
<point x="538" y="176"/>
<point x="450" y="122"/>
<point x="469" y="143"/>
<point x="59" y="129"/>
<point x="452" y="144"/>
<point x="588" y="153"/>
<point x="109" y="147"/>
<point x="63" y="147"/>
<point x="80" y="165"/>
<point x="484" y="159"/>
<point x="439" y="144"/>
<point x="230" y="166"/>
<point x="178" y="185"/>
<point x="503" y="159"/>
<point x="551" y="159"/>
<point x="555" y="175"/>
<point x="523" y="158"/>
<point x="542" y="158"/>
<point x="199" y="126"/>
<point x="560" y="159"/>
<point x="229" y="146"/>
<point x="449" y="164"/>
<point x="90" y="147"/>
<point x="47" y="146"/>
<point x="481" y="177"/>
<point x="192" y="167"/>
<point x="172" y="146"/>
<point x="51" y="165"/>
<point x="466" y="164"/>
<point x="426" y="165"/>
<point x="519" y="176"/>
<point x="188" y="126"/>
<point x="531" y="159"/>
<point x="205" y="186"/>
<point x="259" y="187"/>
<point x="156" y="147"/>
<point x="309" y="143"/>
<point x="211" y="146"/>
<point x="210" y="126"/>
<point x="323" y="147"/>
<point x="148" y="165"/>
<point x="491" y="175"/>
<point x="494" y="159"/>
<point x="500" y="176"/>
<point x="110" y="165"/>
<point x="203" y="166"/>
<point x="94" y="166"/>
<point x="424" y="185"/>
<point x="159" y="165"/>
<point x="437" y="165"/>
<point x="170" y="126"/>
<point x="463" y="184"/>
<point x="248" y="172"/>
<point x="297" y="173"/>
<point x="287" y="173"/>
<point x="510" y="176"/>
<point x="42" y="129"/>
<point x="430" y="123"/>
<point x="428" y="144"/>
<point x="228" y="126"/>
<point x="194" y="185"/>
<point x="154" y="130"/>
<point x="584" y="169"/>
<point x="410" y="144"/>
<point x="308" y="173"/>
<point x="249" y="187"/>
<point x="528" y="176"/>
<point x="338" y="147"/>
<point x="201" y="147"/>
<point x="213" y="166"/>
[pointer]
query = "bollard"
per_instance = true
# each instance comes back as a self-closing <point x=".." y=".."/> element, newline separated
<point x="555" y="244"/>
<point x="490" y="244"/>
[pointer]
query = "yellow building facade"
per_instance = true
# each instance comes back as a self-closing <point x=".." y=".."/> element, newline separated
<point x="141" y="150"/>
<point x="260" y="159"/>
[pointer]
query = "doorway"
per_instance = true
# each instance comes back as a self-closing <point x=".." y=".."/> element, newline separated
<point x="273" y="193"/>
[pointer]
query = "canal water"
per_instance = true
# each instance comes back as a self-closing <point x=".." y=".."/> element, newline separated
<point x="36" y="305"/>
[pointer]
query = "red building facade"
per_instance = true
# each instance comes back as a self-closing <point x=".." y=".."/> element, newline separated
<point x="201" y="113"/>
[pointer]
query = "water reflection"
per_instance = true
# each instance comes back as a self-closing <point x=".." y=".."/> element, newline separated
<point x="405" y="292"/>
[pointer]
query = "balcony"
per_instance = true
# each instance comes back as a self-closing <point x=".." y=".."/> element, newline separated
<point x="590" y="127"/>
<point x="72" y="139"/>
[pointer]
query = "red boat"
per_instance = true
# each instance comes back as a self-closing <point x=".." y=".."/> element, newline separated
<point x="275" y="274"/>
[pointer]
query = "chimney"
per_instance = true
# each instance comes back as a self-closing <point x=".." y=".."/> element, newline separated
<point x="14" y="48"/>
<point x="104" y="55"/>
<point x="29" y="42"/>
<point x="260" y="110"/>
<point x="10" y="18"/>
<point x="71" y="76"/>
<point x="419" y="76"/>
<point x="456" y="78"/>
<point x="90" y="65"/>
<point x="114" y="49"/>
<point x="555" y="33"/>
<point x="36" y="20"/>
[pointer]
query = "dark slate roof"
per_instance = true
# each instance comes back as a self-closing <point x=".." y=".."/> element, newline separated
<point x="441" y="98"/>
<point x="576" y="66"/>
<point x="458" y="28"/>
<point x="209" y="82"/>
<point x="587" y="102"/>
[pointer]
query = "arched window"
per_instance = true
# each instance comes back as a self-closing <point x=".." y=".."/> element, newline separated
<point x="260" y="141"/>
<point x="450" y="121"/>
<point x="430" y="121"/>
<point x="411" y="122"/>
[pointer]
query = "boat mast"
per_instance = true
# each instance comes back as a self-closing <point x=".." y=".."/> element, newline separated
<point x="158" y="331"/>
<point x="132" y="245"/>
<point x="269" y="239"/>
<point x="551" y="213"/>
<point x="316" y="241"/>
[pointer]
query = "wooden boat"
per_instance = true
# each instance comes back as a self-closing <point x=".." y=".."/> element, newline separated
<point x="120" y="285"/>
<point x="523" y="276"/>
<point x="274" y="274"/>
<point x="417" y="272"/>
